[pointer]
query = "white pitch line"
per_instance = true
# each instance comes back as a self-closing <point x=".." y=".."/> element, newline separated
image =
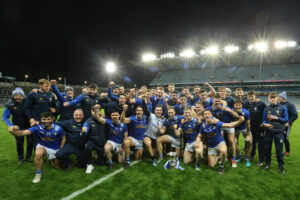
<point x="95" y="183"/>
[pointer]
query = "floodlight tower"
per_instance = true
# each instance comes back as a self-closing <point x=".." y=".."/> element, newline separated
<point x="110" y="68"/>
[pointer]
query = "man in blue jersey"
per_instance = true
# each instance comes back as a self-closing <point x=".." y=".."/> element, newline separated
<point x="15" y="108"/>
<point x="87" y="100"/>
<point x="117" y="132"/>
<point x="243" y="128"/>
<point x="274" y="117"/>
<point x="189" y="129"/>
<point x="226" y="115"/>
<point x="215" y="142"/>
<point x="169" y="127"/>
<point x="66" y="113"/>
<point x="39" y="102"/>
<point x="205" y="100"/>
<point x="179" y="108"/>
<point x="113" y="91"/>
<point x="137" y="125"/>
<point x="51" y="138"/>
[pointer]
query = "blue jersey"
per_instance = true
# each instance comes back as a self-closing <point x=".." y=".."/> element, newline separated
<point x="48" y="138"/>
<point x="220" y="114"/>
<point x="137" y="127"/>
<point x="168" y="123"/>
<point x="116" y="132"/>
<point x="213" y="133"/>
<point x="246" y="114"/>
<point x="190" y="130"/>
<point x="208" y="103"/>
<point x="179" y="108"/>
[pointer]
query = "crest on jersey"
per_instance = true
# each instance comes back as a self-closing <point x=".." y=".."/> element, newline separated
<point x="50" y="99"/>
<point x="87" y="100"/>
<point x="56" y="128"/>
<point x="55" y="133"/>
<point x="73" y="126"/>
<point x="277" y="111"/>
<point x="255" y="108"/>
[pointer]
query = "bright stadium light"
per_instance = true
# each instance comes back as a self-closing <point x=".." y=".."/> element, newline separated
<point x="110" y="67"/>
<point x="213" y="50"/>
<point x="167" y="55"/>
<point x="260" y="47"/>
<point x="231" y="49"/>
<point x="280" y="44"/>
<point x="188" y="53"/>
<point x="291" y="44"/>
<point x="148" y="57"/>
<point x="26" y="76"/>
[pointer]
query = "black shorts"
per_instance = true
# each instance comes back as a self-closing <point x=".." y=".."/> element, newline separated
<point x="153" y="142"/>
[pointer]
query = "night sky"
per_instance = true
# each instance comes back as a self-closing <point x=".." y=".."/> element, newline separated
<point x="74" y="39"/>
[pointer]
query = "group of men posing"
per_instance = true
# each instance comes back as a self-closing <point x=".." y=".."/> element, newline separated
<point x="57" y="125"/>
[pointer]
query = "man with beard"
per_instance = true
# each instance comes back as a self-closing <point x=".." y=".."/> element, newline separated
<point x="51" y="137"/>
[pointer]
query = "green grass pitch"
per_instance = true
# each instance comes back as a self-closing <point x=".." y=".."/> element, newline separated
<point x="142" y="181"/>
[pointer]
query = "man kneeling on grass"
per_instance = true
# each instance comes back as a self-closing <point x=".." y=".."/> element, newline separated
<point x="215" y="142"/>
<point x="51" y="138"/>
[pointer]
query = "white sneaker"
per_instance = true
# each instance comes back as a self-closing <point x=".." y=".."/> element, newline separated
<point x="89" y="169"/>
<point x="37" y="178"/>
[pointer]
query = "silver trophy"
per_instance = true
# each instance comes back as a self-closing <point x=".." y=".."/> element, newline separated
<point x="172" y="159"/>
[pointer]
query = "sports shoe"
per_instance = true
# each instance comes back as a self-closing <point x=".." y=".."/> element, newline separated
<point x="28" y="160"/>
<point x="37" y="178"/>
<point x="259" y="164"/>
<point x="21" y="161"/>
<point x="197" y="167"/>
<point x="248" y="164"/>
<point x="286" y="153"/>
<point x="126" y="165"/>
<point x="281" y="171"/>
<point x="234" y="165"/>
<point x="266" y="167"/>
<point x="221" y="170"/>
<point x="159" y="160"/>
<point x="109" y="166"/>
<point x="89" y="169"/>
<point x="154" y="163"/>
<point x="239" y="159"/>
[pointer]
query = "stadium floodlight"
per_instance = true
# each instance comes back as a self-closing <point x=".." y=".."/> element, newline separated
<point x="59" y="78"/>
<point x="260" y="47"/>
<point x="85" y="82"/>
<point x="26" y="76"/>
<point x="148" y="57"/>
<point x="231" y="49"/>
<point x="110" y="67"/>
<point x="188" y="53"/>
<point x="291" y="44"/>
<point x="167" y="55"/>
<point x="213" y="50"/>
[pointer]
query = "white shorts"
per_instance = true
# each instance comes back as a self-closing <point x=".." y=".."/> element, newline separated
<point x="227" y="130"/>
<point x="50" y="152"/>
<point x="116" y="146"/>
<point x="215" y="150"/>
<point x="138" y="144"/>
<point x="244" y="132"/>
<point x="176" y="142"/>
<point x="190" y="147"/>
